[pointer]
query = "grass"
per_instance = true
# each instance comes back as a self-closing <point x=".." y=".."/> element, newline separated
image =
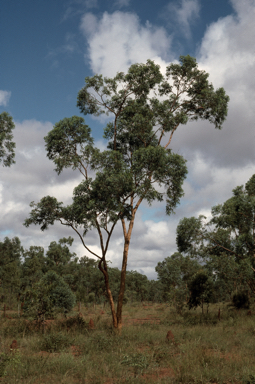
<point x="203" y="350"/>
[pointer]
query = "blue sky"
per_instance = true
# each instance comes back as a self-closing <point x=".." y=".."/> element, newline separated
<point x="49" y="47"/>
<point x="43" y="48"/>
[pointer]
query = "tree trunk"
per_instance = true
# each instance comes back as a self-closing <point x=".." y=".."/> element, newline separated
<point x="109" y="292"/>
<point x="122" y="283"/>
<point x="127" y="236"/>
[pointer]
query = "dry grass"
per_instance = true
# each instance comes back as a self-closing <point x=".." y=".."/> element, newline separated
<point x="202" y="349"/>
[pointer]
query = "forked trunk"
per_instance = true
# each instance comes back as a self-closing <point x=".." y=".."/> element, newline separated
<point x="117" y="317"/>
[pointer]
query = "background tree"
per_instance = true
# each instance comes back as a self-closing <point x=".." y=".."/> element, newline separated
<point x="137" y="286"/>
<point x="155" y="292"/>
<point x="10" y="272"/>
<point x="175" y="274"/>
<point x="201" y="290"/>
<point x="7" y="146"/>
<point x="59" y="256"/>
<point x="33" y="267"/>
<point x="89" y="280"/>
<point x="48" y="297"/>
<point x="138" y="165"/>
<point x="226" y="242"/>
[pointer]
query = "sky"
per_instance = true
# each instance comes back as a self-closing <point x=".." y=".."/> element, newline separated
<point x="49" y="47"/>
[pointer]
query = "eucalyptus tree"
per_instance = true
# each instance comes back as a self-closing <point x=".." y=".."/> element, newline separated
<point x="59" y="255"/>
<point x="11" y="253"/>
<point x="7" y="145"/>
<point x="138" y="165"/>
<point x="226" y="243"/>
<point x="201" y="290"/>
<point x="33" y="267"/>
<point x="137" y="286"/>
<point x="175" y="274"/>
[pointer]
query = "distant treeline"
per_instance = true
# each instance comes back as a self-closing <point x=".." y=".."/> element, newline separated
<point x="21" y="270"/>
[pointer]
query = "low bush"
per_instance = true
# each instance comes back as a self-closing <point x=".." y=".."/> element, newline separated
<point x="55" y="342"/>
<point x="241" y="300"/>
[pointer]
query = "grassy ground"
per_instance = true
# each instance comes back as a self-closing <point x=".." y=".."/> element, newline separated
<point x="200" y="349"/>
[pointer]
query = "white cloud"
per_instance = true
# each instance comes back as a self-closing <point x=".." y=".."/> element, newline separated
<point x="4" y="97"/>
<point x="184" y="14"/>
<point x="227" y="48"/>
<point x="118" y="40"/>
<point x="89" y="24"/>
<point x="122" y="3"/>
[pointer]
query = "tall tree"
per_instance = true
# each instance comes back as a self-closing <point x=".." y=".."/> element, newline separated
<point x="7" y="146"/>
<point x="10" y="259"/>
<point x="138" y="165"/>
<point x="33" y="266"/>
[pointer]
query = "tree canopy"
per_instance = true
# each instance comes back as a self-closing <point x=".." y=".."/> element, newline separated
<point x="146" y="109"/>
<point x="226" y="242"/>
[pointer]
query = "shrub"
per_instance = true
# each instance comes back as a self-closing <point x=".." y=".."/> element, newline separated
<point x="241" y="300"/>
<point x="55" y="342"/>
<point x="50" y="295"/>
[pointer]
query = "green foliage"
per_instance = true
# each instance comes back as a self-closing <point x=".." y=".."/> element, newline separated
<point x="138" y="160"/>
<point x="201" y="289"/>
<point x="33" y="267"/>
<point x="62" y="143"/>
<point x="175" y="273"/>
<point x="10" y="271"/>
<point x="241" y="300"/>
<point x="59" y="255"/>
<point x="226" y="243"/>
<point x="137" y="286"/>
<point x="137" y="165"/>
<point x="50" y="295"/>
<point x="189" y="235"/>
<point x="7" y="146"/>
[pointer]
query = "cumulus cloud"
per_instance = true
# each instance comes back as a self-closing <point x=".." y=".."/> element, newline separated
<point x="183" y="14"/>
<point x="4" y="97"/>
<point x="118" y="40"/>
<point x="78" y="7"/>
<point x="227" y="54"/>
<point x="31" y="178"/>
